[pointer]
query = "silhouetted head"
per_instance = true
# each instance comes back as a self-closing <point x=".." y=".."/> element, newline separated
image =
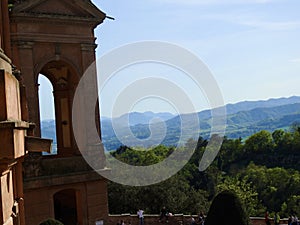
<point x="51" y="222"/>
<point x="226" y="209"/>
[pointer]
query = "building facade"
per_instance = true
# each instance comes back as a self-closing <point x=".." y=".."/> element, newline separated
<point x="54" y="38"/>
<point x="13" y="131"/>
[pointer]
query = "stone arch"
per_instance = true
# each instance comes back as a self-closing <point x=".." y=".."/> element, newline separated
<point x="40" y="64"/>
<point x="64" y="79"/>
<point x="47" y="112"/>
<point x="67" y="206"/>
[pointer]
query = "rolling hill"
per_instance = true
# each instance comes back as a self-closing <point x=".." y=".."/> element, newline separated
<point x="243" y="119"/>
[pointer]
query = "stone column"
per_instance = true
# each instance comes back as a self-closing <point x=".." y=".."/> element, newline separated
<point x="30" y="81"/>
<point x="20" y="192"/>
<point x="93" y="142"/>
<point x="1" y="27"/>
<point x="88" y="57"/>
<point x="5" y="28"/>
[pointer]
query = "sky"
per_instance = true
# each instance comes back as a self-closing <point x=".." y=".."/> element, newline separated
<point x="251" y="48"/>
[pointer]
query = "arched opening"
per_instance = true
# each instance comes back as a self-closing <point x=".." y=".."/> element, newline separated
<point x="63" y="78"/>
<point x="47" y="112"/>
<point x="66" y="207"/>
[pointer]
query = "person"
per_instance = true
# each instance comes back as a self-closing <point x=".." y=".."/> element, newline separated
<point x="141" y="216"/>
<point x="193" y="222"/>
<point x="201" y="218"/>
<point x="276" y="219"/>
<point x="267" y="218"/>
<point x="226" y="209"/>
<point x="164" y="214"/>
<point x="290" y="220"/>
<point x="295" y="220"/>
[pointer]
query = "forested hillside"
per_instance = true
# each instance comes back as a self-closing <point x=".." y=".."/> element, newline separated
<point x="239" y="124"/>
<point x="263" y="170"/>
<point x="259" y="160"/>
<point x="243" y="120"/>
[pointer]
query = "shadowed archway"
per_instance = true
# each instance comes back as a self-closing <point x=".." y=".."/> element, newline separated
<point x="66" y="207"/>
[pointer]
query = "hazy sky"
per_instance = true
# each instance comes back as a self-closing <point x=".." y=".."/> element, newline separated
<point x="251" y="46"/>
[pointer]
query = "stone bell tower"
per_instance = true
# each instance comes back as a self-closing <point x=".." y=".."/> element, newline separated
<point x="56" y="38"/>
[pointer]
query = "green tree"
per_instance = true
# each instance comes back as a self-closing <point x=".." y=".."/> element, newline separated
<point x="273" y="185"/>
<point x="246" y="193"/>
<point x="291" y="206"/>
<point x="296" y="138"/>
<point x="260" y="185"/>
<point x="261" y="142"/>
<point x="176" y="193"/>
<point x="231" y="150"/>
<point x="279" y="138"/>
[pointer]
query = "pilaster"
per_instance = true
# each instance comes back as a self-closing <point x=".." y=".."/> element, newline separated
<point x="25" y="53"/>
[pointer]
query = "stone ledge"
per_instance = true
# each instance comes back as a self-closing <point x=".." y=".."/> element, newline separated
<point x="48" y="181"/>
<point x="4" y="57"/>
<point x="36" y="165"/>
<point x="14" y="124"/>
<point x="5" y="62"/>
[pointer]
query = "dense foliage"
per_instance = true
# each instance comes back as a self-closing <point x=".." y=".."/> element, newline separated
<point x="263" y="171"/>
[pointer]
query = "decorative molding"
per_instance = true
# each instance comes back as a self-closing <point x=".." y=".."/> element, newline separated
<point x="69" y="11"/>
<point x="49" y="38"/>
<point x="91" y="47"/>
<point x="57" y="49"/>
<point x="68" y="18"/>
<point x="25" y="44"/>
<point x="53" y="20"/>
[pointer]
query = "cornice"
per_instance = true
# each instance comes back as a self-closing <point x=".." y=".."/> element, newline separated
<point x="54" y="19"/>
<point x="23" y="38"/>
<point x="84" y="11"/>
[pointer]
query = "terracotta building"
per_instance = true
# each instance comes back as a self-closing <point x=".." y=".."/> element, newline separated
<point x="54" y="38"/>
<point x="13" y="131"/>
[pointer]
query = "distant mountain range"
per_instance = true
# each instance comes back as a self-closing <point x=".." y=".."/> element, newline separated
<point x="48" y="129"/>
<point x="135" y="118"/>
<point x="243" y="119"/>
